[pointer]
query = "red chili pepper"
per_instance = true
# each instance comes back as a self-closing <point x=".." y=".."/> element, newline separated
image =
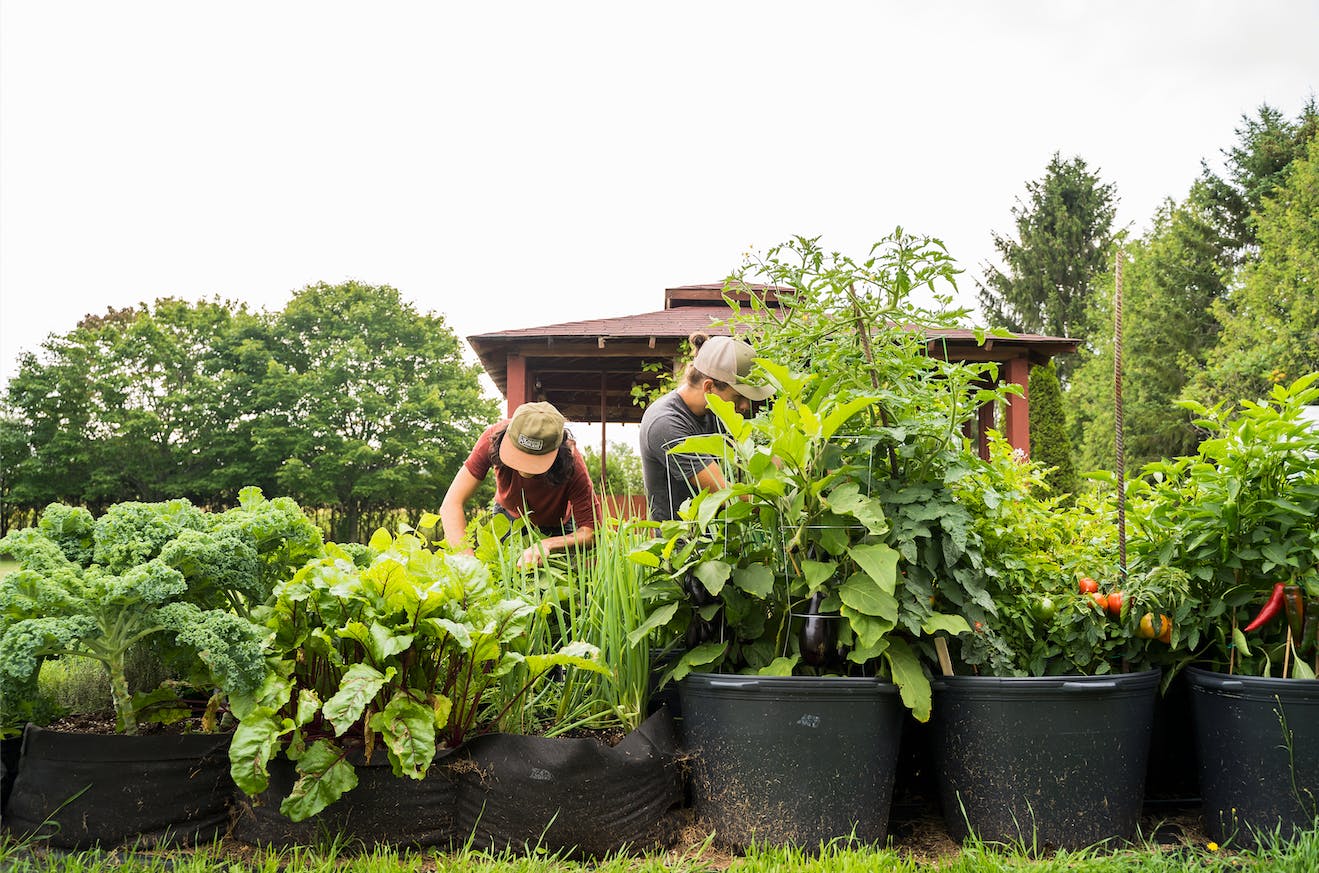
<point x="1294" y="597"/>
<point x="1269" y="611"/>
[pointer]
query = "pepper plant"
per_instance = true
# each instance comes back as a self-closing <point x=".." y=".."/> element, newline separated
<point x="406" y="652"/>
<point x="1239" y="518"/>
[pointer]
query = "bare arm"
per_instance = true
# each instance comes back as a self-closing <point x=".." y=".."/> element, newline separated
<point x="453" y="514"/>
<point x="582" y="536"/>
<point x="710" y="478"/>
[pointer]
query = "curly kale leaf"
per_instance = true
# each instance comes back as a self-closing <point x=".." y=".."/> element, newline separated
<point x="219" y="568"/>
<point x="70" y="528"/>
<point x="133" y="533"/>
<point x="229" y="646"/>
<point x="35" y="551"/>
<point x="149" y="584"/>
<point x="32" y="594"/>
<point x="26" y="643"/>
<point x="284" y="538"/>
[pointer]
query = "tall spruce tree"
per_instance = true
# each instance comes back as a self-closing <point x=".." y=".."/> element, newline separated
<point x="1271" y="322"/>
<point x="1267" y="144"/>
<point x="1064" y="231"/>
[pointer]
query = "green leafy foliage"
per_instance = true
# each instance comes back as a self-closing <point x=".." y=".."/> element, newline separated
<point x="1034" y="550"/>
<point x="841" y="498"/>
<point x="164" y="574"/>
<point x="1063" y="236"/>
<point x="408" y="650"/>
<point x="1239" y="516"/>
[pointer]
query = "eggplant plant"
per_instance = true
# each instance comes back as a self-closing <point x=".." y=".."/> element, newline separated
<point x="799" y="533"/>
<point x="406" y="652"/>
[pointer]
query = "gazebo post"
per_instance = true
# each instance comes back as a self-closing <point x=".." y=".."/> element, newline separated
<point x="1017" y="427"/>
<point x="518" y="383"/>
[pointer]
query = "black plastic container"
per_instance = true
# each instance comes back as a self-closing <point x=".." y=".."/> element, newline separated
<point x="1258" y="745"/>
<point x="570" y="797"/>
<point x="796" y="760"/>
<point x="1053" y="762"/>
<point x="77" y="791"/>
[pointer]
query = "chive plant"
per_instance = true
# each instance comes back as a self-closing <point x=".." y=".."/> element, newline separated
<point x="589" y="595"/>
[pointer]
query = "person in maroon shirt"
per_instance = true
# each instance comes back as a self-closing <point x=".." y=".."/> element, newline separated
<point x="539" y="475"/>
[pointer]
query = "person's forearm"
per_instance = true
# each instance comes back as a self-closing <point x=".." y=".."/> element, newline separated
<point x="583" y="536"/>
<point x="454" y="520"/>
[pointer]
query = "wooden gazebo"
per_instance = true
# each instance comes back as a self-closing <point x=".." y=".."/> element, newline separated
<point x="588" y="368"/>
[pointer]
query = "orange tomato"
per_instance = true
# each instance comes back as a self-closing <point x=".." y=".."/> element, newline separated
<point x="1087" y="585"/>
<point x="1146" y="630"/>
<point x="1100" y="599"/>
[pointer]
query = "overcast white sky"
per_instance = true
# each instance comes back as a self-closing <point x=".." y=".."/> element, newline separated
<point x="516" y="164"/>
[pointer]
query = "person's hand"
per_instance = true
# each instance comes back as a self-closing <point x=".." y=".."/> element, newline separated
<point x="532" y="557"/>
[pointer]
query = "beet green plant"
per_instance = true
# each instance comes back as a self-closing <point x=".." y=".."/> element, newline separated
<point x="406" y="652"/>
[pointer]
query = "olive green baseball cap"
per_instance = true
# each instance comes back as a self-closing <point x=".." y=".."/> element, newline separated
<point x="533" y="437"/>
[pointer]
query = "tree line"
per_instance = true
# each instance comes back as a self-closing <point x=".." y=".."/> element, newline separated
<point x="348" y="400"/>
<point x="1219" y="297"/>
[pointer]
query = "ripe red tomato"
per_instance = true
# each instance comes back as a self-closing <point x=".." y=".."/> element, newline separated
<point x="1100" y="599"/>
<point x="1087" y="585"/>
<point x="1115" y="599"/>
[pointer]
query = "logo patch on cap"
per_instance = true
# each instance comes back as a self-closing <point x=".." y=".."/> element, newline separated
<point x="531" y="444"/>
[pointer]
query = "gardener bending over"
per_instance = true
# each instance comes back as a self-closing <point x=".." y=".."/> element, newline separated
<point x="539" y="475"/>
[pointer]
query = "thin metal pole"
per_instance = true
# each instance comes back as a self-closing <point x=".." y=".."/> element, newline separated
<point x="1121" y="466"/>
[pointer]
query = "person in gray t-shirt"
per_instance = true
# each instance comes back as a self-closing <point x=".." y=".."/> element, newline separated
<point x="720" y="365"/>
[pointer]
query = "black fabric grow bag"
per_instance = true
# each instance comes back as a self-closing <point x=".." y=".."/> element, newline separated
<point x="1255" y="776"/>
<point x="791" y="759"/>
<point x="10" y="749"/>
<point x="146" y="790"/>
<point x="573" y="796"/>
<point x="383" y="810"/>
<point x="1055" y="762"/>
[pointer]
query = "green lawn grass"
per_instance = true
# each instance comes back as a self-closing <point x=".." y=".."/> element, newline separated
<point x="1301" y="855"/>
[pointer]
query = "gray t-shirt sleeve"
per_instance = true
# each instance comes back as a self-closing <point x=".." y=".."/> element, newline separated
<point x="668" y="476"/>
